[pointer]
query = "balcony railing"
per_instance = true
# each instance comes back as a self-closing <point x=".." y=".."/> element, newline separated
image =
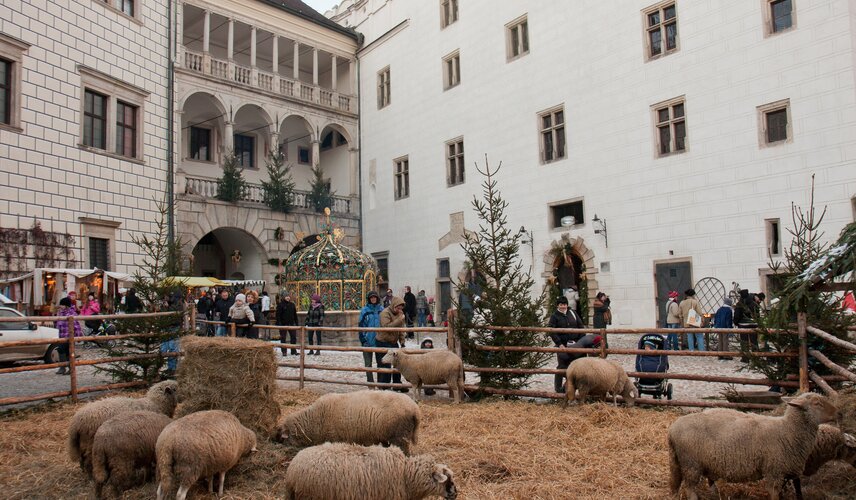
<point x="198" y="62"/>
<point x="207" y="188"/>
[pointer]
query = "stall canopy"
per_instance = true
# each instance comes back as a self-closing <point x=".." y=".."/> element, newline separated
<point x="193" y="281"/>
<point x="36" y="279"/>
<point x="5" y="300"/>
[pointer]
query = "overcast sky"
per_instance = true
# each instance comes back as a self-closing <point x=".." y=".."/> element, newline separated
<point x="321" y="6"/>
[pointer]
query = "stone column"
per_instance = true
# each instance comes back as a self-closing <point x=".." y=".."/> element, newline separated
<point x="230" y="47"/>
<point x="275" y="56"/>
<point x="315" y="66"/>
<point x="316" y="153"/>
<point x="253" y="46"/>
<point x="296" y="60"/>
<point x="335" y="71"/>
<point x="206" y="35"/>
<point x="354" y="167"/>
<point x="352" y="75"/>
<point x="229" y="139"/>
<point x="274" y="138"/>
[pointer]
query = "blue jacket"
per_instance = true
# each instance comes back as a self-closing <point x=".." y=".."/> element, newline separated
<point x="723" y="318"/>
<point x="369" y="317"/>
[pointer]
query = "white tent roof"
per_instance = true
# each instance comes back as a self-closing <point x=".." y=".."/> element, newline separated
<point x="5" y="300"/>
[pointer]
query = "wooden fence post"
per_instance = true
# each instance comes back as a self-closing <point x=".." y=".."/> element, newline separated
<point x="302" y="335"/>
<point x="803" y="336"/>
<point x="72" y="366"/>
<point x="451" y="341"/>
<point x="192" y="315"/>
<point x="603" y="343"/>
<point x="232" y="330"/>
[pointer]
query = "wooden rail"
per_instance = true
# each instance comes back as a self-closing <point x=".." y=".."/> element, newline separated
<point x="817" y="332"/>
<point x="832" y="366"/>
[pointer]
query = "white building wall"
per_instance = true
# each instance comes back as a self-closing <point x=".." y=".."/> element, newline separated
<point x="707" y="205"/>
<point x="44" y="174"/>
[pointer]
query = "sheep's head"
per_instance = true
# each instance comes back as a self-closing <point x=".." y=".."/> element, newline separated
<point x="283" y="431"/>
<point x="165" y="393"/>
<point x="427" y="478"/>
<point x="390" y="358"/>
<point x="630" y="393"/>
<point x="250" y="442"/>
<point x="442" y="477"/>
<point x="818" y="408"/>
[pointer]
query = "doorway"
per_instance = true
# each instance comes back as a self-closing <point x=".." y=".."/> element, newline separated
<point x="670" y="276"/>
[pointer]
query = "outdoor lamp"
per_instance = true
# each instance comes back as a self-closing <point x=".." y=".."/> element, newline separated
<point x="602" y="230"/>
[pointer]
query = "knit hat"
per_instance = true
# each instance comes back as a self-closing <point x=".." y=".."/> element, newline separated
<point x="65" y="302"/>
<point x="728" y="301"/>
<point x="673" y="294"/>
<point x="562" y="300"/>
<point x="316" y="297"/>
<point x="241" y="297"/>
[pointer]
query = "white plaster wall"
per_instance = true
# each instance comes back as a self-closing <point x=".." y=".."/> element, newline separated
<point x="707" y="205"/>
<point x="43" y="173"/>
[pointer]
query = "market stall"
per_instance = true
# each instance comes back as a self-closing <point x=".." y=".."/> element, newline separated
<point x="40" y="290"/>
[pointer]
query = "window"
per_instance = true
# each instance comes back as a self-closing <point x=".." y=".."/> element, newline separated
<point x="200" y="143"/>
<point x="444" y="290"/>
<point x="451" y="70"/>
<point x="671" y="127"/>
<point x="383" y="88"/>
<point x="99" y="253"/>
<point x="774" y="236"/>
<point x="95" y="120"/>
<point x="443" y="268"/>
<point x="565" y="209"/>
<point x="448" y="12"/>
<point x="126" y="129"/>
<point x="552" y="124"/>
<point x="402" y="178"/>
<point x="11" y="55"/>
<point x="126" y="7"/>
<point x="661" y="29"/>
<point x="103" y="98"/>
<point x="775" y="123"/>
<point x="517" y="38"/>
<point x="780" y="16"/>
<point x="304" y="155"/>
<point x="245" y="146"/>
<point x="332" y="140"/>
<point x="455" y="162"/>
<point x="382" y="259"/>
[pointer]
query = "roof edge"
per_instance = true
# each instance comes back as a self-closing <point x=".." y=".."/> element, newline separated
<point x="327" y="23"/>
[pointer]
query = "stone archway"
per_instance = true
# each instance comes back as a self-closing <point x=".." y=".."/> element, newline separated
<point x="229" y="253"/>
<point x="580" y="250"/>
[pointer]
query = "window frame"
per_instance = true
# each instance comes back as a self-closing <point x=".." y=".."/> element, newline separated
<point x="457" y="157"/>
<point x="115" y="91"/>
<point x="449" y="13"/>
<point x="100" y="229"/>
<point x="190" y="140"/>
<point x="90" y="115"/>
<point x="657" y="125"/>
<point x="117" y="6"/>
<point x="660" y="27"/>
<point x="12" y="51"/>
<point x="763" y="129"/>
<point x="124" y="125"/>
<point x="769" y="21"/>
<point x="773" y="230"/>
<point x="452" y="70"/>
<point x="523" y="46"/>
<point x="555" y="222"/>
<point x="401" y="177"/>
<point x="552" y="128"/>
<point x="300" y="152"/>
<point x="252" y="150"/>
<point x="384" y="88"/>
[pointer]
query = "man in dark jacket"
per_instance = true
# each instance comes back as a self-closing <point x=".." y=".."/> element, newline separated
<point x="745" y="317"/>
<point x="204" y="311"/>
<point x="286" y="315"/>
<point x="564" y="317"/>
<point x="409" y="309"/>
<point x="221" y="307"/>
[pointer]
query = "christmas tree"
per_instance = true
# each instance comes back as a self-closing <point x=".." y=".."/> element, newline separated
<point x="279" y="188"/>
<point x="320" y="195"/>
<point x="232" y="186"/>
<point x="497" y="292"/>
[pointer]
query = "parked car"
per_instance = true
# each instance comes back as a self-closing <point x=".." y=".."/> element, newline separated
<point x="21" y="330"/>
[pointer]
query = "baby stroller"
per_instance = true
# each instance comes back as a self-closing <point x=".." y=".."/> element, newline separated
<point x="654" y="363"/>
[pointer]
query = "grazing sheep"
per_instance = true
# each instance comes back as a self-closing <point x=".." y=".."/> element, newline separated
<point x="122" y="445"/>
<point x="830" y="444"/>
<point x="352" y="472"/>
<point x="598" y="376"/>
<point x="198" y="446"/>
<point x="740" y="447"/>
<point x="161" y="398"/>
<point x="431" y="368"/>
<point x="362" y="417"/>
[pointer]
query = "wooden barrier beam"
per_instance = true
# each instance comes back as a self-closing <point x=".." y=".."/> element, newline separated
<point x="826" y="388"/>
<point x="832" y="366"/>
<point x="64" y="394"/>
<point x="832" y="339"/>
<point x="595" y="351"/>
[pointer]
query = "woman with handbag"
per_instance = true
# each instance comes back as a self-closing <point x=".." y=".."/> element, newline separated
<point x="241" y="314"/>
<point x="691" y="314"/>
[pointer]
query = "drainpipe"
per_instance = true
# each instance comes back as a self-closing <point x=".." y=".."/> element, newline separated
<point x="360" y="155"/>
<point x="170" y="128"/>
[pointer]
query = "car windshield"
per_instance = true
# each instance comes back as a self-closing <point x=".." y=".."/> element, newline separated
<point x="9" y="325"/>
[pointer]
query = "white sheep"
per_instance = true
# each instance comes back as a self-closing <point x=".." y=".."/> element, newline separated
<point x="361" y="417"/>
<point x="598" y="377"/>
<point x="830" y="444"/>
<point x="434" y="367"/>
<point x="199" y="446"/>
<point x="122" y="445"/>
<point x="729" y="445"/>
<point x="353" y="472"/>
<point x="160" y="398"/>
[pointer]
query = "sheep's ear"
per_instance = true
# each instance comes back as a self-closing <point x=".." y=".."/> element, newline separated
<point x="440" y="473"/>
<point x="795" y="402"/>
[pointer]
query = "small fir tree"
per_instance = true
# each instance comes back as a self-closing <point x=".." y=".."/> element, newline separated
<point x="320" y="195"/>
<point x="161" y="258"/>
<point x="279" y="188"/>
<point x="500" y="293"/>
<point x="231" y="186"/>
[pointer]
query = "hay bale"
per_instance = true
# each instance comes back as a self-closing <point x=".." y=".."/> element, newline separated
<point x="231" y="374"/>
<point x="846" y="403"/>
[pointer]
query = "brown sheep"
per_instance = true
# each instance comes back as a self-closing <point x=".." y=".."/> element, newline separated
<point x="352" y="472"/>
<point x="830" y="444"/>
<point x="160" y="398"/>
<point x="740" y="447"/>
<point x="433" y="367"/>
<point x="362" y="417"/>
<point x="599" y="377"/>
<point x="121" y="446"/>
<point x="198" y="446"/>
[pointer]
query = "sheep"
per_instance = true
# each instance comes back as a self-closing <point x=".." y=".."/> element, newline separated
<point x="160" y="398"/>
<point x="353" y="472"/>
<point x="431" y="368"/>
<point x="122" y="445"/>
<point x="598" y="376"/>
<point x="830" y="444"/>
<point x="362" y="417"/>
<point x="198" y="446"/>
<point x="740" y="447"/>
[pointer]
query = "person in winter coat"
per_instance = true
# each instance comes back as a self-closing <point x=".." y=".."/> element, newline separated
<point x="66" y="308"/>
<point x="563" y="317"/>
<point x="256" y="306"/>
<point x="745" y="317"/>
<point x="133" y="305"/>
<point x="241" y="314"/>
<point x="427" y="343"/>
<point x="204" y="311"/>
<point x="724" y="318"/>
<point x="387" y="299"/>
<point x="315" y="317"/>
<point x="221" y="307"/>
<point x="421" y="309"/>
<point x="91" y="308"/>
<point x="409" y="309"/>
<point x="391" y="317"/>
<point x="673" y="320"/>
<point x="370" y="318"/>
<point x="602" y="313"/>
<point x="286" y="315"/>
<point x="691" y="303"/>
